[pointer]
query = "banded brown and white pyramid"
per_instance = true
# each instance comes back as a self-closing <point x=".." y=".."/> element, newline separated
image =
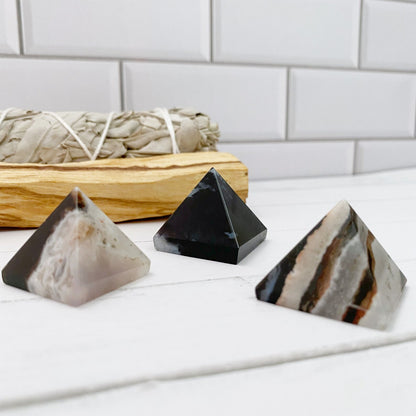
<point x="338" y="270"/>
<point x="76" y="255"/>
<point x="211" y="223"/>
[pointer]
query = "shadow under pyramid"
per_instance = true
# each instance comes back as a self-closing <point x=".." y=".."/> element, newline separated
<point x="211" y="223"/>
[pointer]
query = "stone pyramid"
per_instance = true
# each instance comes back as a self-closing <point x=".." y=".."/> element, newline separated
<point x="211" y="223"/>
<point x="338" y="270"/>
<point x="76" y="255"/>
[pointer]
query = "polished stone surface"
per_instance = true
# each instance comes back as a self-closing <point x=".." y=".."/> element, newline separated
<point x="211" y="223"/>
<point x="338" y="270"/>
<point x="76" y="255"/>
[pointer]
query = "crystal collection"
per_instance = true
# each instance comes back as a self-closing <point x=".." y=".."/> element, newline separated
<point x="338" y="270"/>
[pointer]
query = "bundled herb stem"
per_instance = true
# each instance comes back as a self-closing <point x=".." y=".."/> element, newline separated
<point x="39" y="137"/>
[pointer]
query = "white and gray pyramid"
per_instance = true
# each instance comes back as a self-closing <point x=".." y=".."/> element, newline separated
<point x="76" y="255"/>
<point x="338" y="270"/>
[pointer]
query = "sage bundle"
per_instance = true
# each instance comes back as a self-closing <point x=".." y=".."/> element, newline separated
<point x="49" y="138"/>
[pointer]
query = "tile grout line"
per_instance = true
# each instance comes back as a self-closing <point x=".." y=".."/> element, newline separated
<point x="20" y="26"/>
<point x="211" y="29"/>
<point x="391" y="71"/>
<point x="121" y="86"/>
<point x="215" y="370"/>
<point x="354" y="158"/>
<point x="288" y="72"/>
<point x="360" y="34"/>
<point x="250" y="141"/>
<point x="415" y="119"/>
<point x="399" y="1"/>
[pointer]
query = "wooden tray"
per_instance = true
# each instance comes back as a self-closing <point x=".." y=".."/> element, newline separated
<point x="125" y="189"/>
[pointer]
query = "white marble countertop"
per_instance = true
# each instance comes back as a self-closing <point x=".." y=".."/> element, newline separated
<point x="190" y="338"/>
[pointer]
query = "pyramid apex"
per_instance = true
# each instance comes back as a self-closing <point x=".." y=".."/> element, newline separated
<point x="344" y="203"/>
<point x="340" y="209"/>
<point x="78" y="197"/>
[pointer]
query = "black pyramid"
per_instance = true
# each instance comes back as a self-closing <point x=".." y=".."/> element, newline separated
<point x="211" y="223"/>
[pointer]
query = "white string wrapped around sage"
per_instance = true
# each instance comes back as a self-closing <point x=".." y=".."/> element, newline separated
<point x="45" y="137"/>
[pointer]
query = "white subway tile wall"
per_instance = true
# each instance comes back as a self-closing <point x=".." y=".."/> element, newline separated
<point x="389" y="35"/>
<point x="9" y="32"/>
<point x="59" y="85"/>
<point x="386" y="154"/>
<point x="295" y="159"/>
<point x="287" y="32"/>
<point x="298" y="87"/>
<point x="156" y="29"/>
<point x="351" y="104"/>
<point x="247" y="102"/>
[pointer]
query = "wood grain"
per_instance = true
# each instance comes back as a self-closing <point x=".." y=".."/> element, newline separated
<point x="125" y="189"/>
<point x="206" y="396"/>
